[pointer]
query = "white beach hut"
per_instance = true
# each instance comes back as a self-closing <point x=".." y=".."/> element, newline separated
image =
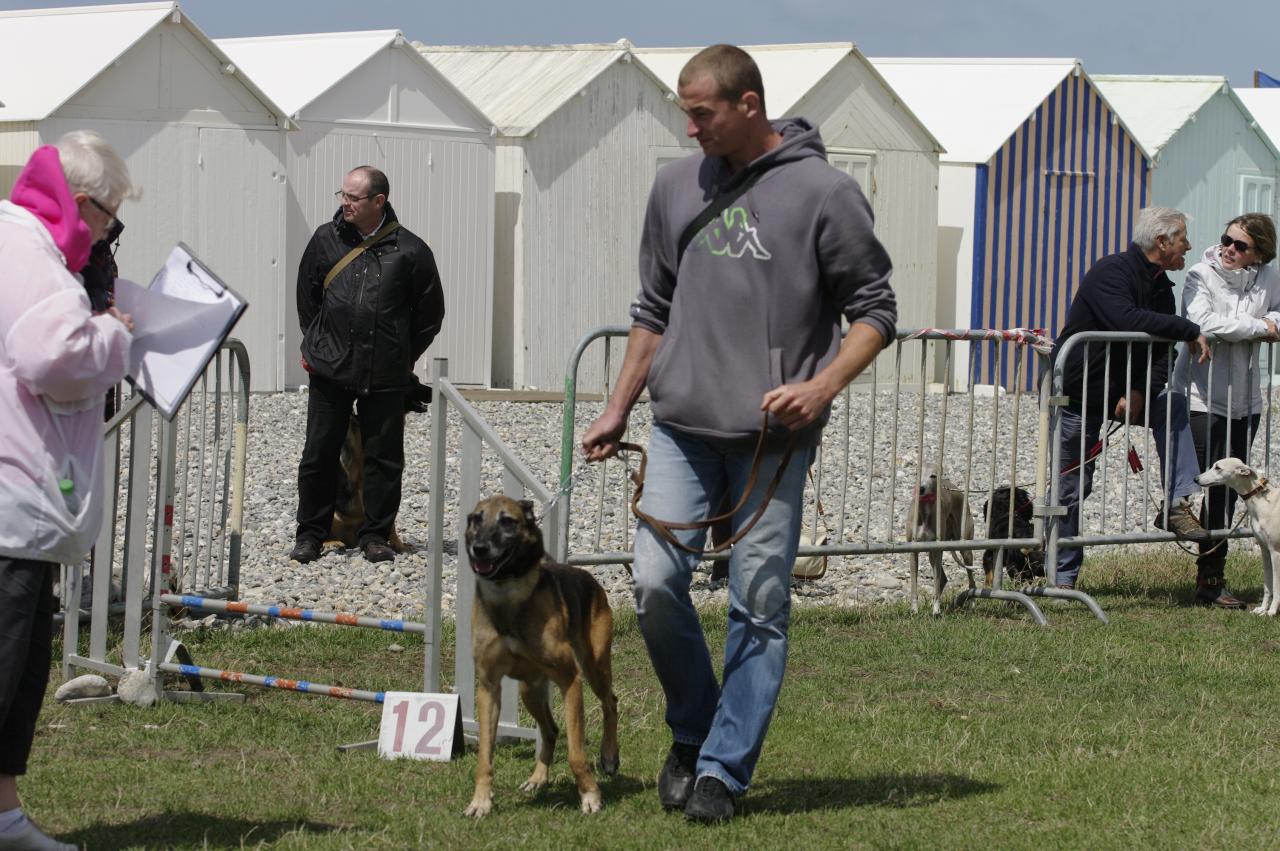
<point x="369" y="98"/>
<point x="581" y="132"/>
<point x="869" y="133"/>
<point x="1264" y="108"/>
<point x="1210" y="158"/>
<point x="204" y="143"/>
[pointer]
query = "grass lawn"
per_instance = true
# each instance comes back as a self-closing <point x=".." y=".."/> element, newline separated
<point x="977" y="729"/>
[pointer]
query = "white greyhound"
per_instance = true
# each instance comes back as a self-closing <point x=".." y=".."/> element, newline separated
<point x="937" y="498"/>
<point x="1263" y="503"/>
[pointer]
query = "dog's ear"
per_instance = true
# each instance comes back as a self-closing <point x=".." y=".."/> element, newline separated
<point x="1246" y="470"/>
<point x="530" y="515"/>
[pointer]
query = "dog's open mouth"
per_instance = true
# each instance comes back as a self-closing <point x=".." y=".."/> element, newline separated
<point x="483" y="568"/>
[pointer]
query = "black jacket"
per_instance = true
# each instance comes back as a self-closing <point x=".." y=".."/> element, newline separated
<point x="1122" y="292"/>
<point x="379" y="314"/>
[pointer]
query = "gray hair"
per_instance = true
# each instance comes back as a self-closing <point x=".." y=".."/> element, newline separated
<point x="1156" y="221"/>
<point x="93" y="167"/>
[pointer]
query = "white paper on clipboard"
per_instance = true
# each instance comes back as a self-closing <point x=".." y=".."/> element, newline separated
<point x="179" y="322"/>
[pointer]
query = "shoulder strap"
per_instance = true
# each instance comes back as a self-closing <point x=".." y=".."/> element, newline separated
<point x="711" y="211"/>
<point x="357" y="251"/>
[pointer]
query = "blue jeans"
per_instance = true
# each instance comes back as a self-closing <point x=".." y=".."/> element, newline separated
<point x="1180" y="482"/>
<point x="686" y="478"/>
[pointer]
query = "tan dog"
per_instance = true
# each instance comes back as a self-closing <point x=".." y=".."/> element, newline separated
<point x="348" y="504"/>
<point x="1263" y="503"/>
<point x="537" y="622"/>
<point x="938" y="499"/>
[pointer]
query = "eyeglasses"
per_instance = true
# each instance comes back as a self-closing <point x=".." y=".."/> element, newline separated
<point x="349" y="198"/>
<point x="115" y="228"/>
<point x="1240" y="245"/>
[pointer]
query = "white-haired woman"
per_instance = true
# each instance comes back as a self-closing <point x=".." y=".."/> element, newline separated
<point x="57" y="359"/>
<point x="1234" y="295"/>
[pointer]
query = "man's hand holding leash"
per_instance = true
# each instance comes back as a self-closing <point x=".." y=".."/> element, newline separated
<point x="601" y="440"/>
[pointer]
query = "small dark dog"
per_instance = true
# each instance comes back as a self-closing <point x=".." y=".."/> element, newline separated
<point x="538" y="622"/>
<point x="348" y="509"/>
<point x="348" y="503"/>
<point x="1021" y="564"/>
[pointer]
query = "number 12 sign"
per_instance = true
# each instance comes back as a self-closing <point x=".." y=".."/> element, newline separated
<point x="418" y="725"/>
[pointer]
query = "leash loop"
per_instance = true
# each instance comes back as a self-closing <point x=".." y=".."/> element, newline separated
<point x="664" y="527"/>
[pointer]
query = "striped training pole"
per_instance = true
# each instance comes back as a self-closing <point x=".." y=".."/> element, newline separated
<point x="272" y="682"/>
<point x="295" y="614"/>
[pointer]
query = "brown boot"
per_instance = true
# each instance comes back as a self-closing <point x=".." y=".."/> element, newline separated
<point x="1212" y="591"/>
<point x="1182" y="522"/>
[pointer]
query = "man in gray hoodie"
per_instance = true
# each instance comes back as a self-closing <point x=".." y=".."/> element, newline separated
<point x="737" y="325"/>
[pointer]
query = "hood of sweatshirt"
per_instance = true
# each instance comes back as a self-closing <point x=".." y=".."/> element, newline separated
<point x="1235" y="278"/>
<point x="800" y="140"/>
<point x="42" y="190"/>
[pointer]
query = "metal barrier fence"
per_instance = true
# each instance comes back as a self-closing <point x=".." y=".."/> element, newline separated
<point x="1125" y="503"/>
<point x="156" y="497"/>
<point x="982" y="438"/>
<point x="209" y="523"/>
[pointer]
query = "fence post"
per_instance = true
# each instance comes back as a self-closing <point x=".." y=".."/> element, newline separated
<point x="240" y="453"/>
<point x="435" y="535"/>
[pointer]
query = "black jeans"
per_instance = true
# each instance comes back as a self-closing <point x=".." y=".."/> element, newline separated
<point x="381" y="417"/>
<point x="26" y="645"/>
<point x="1217" y="437"/>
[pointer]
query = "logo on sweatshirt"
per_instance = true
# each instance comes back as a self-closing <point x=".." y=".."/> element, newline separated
<point x="732" y="235"/>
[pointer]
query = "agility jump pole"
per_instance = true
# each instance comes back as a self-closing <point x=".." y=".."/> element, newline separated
<point x="272" y="682"/>
<point x="293" y="614"/>
<point x="197" y="672"/>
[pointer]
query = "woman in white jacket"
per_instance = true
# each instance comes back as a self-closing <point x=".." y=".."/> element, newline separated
<point x="1234" y="296"/>
<point x="57" y="359"/>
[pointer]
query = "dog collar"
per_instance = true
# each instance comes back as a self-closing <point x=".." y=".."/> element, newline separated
<point x="928" y="497"/>
<point x="1262" y="485"/>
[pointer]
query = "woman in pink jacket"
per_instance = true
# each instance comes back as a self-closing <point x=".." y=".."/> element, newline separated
<point x="57" y="359"/>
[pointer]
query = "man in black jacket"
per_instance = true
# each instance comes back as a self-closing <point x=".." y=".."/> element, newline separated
<point x="1130" y="292"/>
<point x="369" y="303"/>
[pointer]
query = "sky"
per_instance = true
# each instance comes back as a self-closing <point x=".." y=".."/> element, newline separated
<point x="1108" y="36"/>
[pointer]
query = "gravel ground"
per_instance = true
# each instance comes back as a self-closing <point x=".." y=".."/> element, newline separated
<point x="881" y="476"/>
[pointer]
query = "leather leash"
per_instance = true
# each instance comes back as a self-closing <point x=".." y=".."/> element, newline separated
<point x="664" y="527"/>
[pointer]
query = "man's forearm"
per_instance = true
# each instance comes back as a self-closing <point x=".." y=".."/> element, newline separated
<point x="642" y="344"/>
<point x="859" y="349"/>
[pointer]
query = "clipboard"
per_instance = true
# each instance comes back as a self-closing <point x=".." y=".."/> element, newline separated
<point x="180" y="321"/>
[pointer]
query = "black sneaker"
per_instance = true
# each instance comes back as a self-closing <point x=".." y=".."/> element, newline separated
<point x="1182" y="522"/>
<point x="378" y="550"/>
<point x="711" y="802"/>
<point x="305" y="550"/>
<point x="676" y="780"/>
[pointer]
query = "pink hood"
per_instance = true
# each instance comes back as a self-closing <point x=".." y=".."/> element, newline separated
<point x="42" y="190"/>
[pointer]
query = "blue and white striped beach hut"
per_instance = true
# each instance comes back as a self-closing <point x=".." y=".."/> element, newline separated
<point x="1040" y="178"/>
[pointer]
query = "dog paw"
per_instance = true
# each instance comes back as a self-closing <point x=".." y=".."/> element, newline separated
<point x="591" y="802"/>
<point x="1259" y="610"/>
<point x="479" y="807"/>
<point x="535" y="782"/>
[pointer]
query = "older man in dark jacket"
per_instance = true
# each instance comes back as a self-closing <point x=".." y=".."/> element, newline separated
<point x="1130" y="291"/>
<point x="369" y="303"/>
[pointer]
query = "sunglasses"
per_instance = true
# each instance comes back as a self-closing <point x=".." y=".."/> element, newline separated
<point x="116" y="228"/>
<point x="1240" y="245"/>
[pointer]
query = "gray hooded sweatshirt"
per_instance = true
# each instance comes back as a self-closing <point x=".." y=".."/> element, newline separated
<point x="758" y="297"/>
